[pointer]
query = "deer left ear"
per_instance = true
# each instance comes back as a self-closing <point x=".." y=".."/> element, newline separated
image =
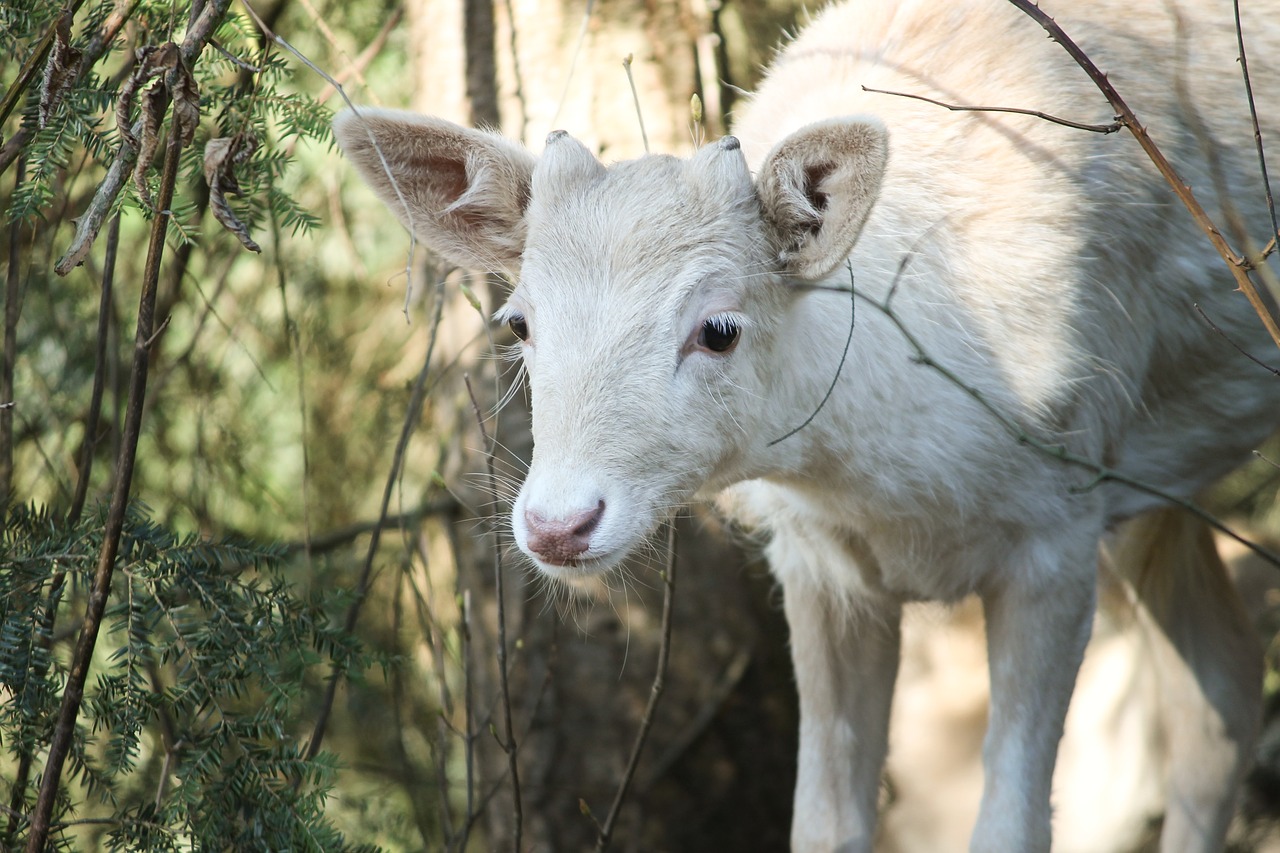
<point x="462" y="191"/>
<point x="817" y="188"/>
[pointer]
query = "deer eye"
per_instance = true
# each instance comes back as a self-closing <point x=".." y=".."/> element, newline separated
<point x="519" y="326"/>
<point x="719" y="333"/>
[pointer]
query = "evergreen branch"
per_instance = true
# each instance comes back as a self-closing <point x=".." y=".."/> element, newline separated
<point x="198" y="34"/>
<point x="74" y="691"/>
<point x="90" y="222"/>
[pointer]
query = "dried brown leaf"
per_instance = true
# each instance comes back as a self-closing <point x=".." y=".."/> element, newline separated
<point x="151" y="61"/>
<point x="186" y="103"/>
<point x="153" y="108"/>
<point x="221" y="156"/>
<point x="60" y="70"/>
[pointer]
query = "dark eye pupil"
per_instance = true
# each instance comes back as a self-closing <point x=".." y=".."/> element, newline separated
<point x="718" y="334"/>
<point x="520" y="327"/>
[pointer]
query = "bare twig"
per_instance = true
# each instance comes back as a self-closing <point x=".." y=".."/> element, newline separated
<point x="355" y="67"/>
<point x="1238" y="348"/>
<point x="469" y="736"/>
<point x="386" y="167"/>
<point x="324" y="542"/>
<point x="1101" y="473"/>
<point x="724" y="688"/>
<point x="509" y="740"/>
<point x="853" y="316"/>
<point x="31" y="66"/>
<point x="1257" y="131"/>
<point x="517" y="74"/>
<point x="655" y="691"/>
<point x="413" y="413"/>
<point x="635" y="97"/>
<point x="1093" y="128"/>
<point x="573" y="62"/>
<point x="94" y="414"/>
<point x="1239" y="266"/>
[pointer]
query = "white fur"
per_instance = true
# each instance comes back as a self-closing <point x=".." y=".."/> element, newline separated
<point x="1049" y="268"/>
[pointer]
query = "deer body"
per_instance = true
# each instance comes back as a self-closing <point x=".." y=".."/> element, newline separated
<point x="681" y="318"/>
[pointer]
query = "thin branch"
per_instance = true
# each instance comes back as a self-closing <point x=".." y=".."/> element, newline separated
<point x="94" y="415"/>
<point x="573" y="62"/>
<point x="12" y="310"/>
<point x="635" y="98"/>
<point x="334" y="539"/>
<point x="853" y="316"/>
<point x="469" y="738"/>
<point x="382" y="158"/>
<point x="355" y="68"/>
<point x="1257" y="131"/>
<point x="509" y="745"/>
<point x="1101" y="473"/>
<point x="1237" y="347"/>
<point x="31" y="66"/>
<point x="413" y="413"/>
<point x="724" y="688"/>
<point x="1066" y="122"/>
<point x="655" y="691"/>
<point x="1239" y="266"/>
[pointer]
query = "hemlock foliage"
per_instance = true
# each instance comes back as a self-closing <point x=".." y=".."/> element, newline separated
<point x="184" y="733"/>
<point x="203" y="677"/>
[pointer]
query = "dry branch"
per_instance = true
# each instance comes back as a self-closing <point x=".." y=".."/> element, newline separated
<point x="413" y="414"/>
<point x="73" y="694"/>
<point x="90" y="222"/>
<point x="655" y="691"/>
<point x="1093" y="128"/>
<point x="508" y="742"/>
<point x="1100" y="473"/>
<point x="1239" y="266"/>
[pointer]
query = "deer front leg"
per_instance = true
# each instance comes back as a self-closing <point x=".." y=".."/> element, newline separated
<point x="846" y="663"/>
<point x="1038" y="621"/>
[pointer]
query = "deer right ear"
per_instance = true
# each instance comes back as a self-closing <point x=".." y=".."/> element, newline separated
<point x="817" y="188"/>
<point x="463" y="192"/>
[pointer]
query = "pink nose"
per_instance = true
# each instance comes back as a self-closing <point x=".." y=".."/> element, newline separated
<point x="559" y="540"/>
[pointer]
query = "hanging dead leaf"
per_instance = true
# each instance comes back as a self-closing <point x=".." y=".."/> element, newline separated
<point x="173" y="82"/>
<point x="221" y="156"/>
<point x="153" y="107"/>
<point x="143" y="71"/>
<point x="186" y="102"/>
<point x="60" y="70"/>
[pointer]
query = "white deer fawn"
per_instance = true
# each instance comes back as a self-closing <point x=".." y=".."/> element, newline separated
<point x="1018" y="291"/>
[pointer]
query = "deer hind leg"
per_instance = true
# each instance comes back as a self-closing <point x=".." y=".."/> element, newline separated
<point x="1209" y="669"/>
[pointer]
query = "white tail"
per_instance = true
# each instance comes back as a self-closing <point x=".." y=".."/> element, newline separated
<point x="681" y="318"/>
